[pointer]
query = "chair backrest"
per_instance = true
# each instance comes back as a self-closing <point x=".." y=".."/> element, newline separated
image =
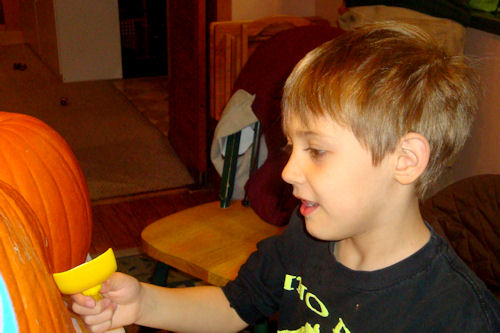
<point x="263" y="77"/>
<point x="257" y="56"/>
<point x="232" y="42"/>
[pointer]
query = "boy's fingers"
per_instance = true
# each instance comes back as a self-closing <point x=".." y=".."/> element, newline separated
<point x="83" y="300"/>
<point x="99" y="319"/>
<point x="103" y="327"/>
<point x="100" y="328"/>
<point x="85" y="310"/>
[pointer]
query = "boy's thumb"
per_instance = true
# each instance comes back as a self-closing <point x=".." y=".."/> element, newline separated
<point x="112" y="283"/>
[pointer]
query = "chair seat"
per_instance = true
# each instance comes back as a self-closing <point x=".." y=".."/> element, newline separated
<point x="206" y="241"/>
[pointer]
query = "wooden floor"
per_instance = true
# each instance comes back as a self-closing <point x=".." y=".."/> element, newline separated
<point x="118" y="222"/>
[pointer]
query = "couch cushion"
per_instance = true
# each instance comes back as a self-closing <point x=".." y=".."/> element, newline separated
<point x="467" y="214"/>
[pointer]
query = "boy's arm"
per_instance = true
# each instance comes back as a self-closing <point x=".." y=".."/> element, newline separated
<point x="127" y="301"/>
<point x="193" y="309"/>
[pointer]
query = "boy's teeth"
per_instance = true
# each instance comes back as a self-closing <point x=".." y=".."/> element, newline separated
<point x="309" y="203"/>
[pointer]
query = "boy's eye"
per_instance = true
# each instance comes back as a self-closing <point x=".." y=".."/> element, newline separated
<point x="315" y="153"/>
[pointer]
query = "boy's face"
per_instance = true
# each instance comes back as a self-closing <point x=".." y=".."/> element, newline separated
<point x="342" y="194"/>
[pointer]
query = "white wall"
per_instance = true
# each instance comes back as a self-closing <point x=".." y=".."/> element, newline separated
<point x="328" y="9"/>
<point x="253" y="9"/>
<point x="88" y="37"/>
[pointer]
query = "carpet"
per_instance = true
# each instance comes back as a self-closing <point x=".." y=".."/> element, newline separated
<point x="142" y="268"/>
<point x="149" y="95"/>
<point x="120" y="152"/>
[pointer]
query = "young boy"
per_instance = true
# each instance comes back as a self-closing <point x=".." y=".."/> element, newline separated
<point x="372" y="118"/>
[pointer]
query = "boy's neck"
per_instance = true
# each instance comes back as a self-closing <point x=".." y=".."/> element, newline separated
<point x="386" y="245"/>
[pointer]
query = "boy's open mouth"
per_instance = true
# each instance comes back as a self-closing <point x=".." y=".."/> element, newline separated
<point x="307" y="207"/>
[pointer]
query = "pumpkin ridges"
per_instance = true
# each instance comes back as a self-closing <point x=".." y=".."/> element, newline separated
<point x="35" y="232"/>
<point x="42" y="129"/>
<point x="34" y="278"/>
<point x="37" y="275"/>
<point x="38" y="136"/>
<point x="55" y="197"/>
<point x="73" y="179"/>
<point x="31" y="288"/>
<point x="67" y="202"/>
<point x="25" y="181"/>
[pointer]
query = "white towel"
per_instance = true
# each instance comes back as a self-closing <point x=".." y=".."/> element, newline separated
<point x="237" y="116"/>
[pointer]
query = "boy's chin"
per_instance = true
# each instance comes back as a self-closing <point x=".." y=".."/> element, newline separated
<point x="318" y="230"/>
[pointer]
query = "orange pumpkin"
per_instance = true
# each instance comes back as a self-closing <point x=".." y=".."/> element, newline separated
<point x="37" y="162"/>
<point x="36" y="301"/>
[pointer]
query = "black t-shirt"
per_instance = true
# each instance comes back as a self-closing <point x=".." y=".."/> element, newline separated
<point x="297" y="275"/>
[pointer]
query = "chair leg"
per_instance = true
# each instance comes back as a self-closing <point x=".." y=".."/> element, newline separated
<point x="160" y="275"/>
<point x="261" y="327"/>
<point x="229" y="170"/>
<point x="254" y="158"/>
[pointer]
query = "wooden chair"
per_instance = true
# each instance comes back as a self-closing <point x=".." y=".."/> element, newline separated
<point x="231" y="44"/>
<point x="207" y="241"/>
<point x="211" y="241"/>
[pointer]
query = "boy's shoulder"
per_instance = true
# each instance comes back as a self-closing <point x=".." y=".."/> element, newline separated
<point x="463" y="286"/>
<point x="454" y="297"/>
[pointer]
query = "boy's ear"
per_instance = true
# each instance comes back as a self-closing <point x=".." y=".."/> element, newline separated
<point x="412" y="156"/>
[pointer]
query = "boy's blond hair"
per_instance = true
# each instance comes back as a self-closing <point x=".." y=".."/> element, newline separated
<point x="383" y="81"/>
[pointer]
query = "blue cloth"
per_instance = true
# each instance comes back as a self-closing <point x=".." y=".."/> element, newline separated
<point x="8" y="321"/>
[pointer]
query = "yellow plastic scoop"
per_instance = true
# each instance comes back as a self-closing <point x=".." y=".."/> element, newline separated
<point x="88" y="277"/>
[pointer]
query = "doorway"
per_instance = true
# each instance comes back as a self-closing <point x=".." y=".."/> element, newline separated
<point x="2" y="19"/>
<point x="143" y="33"/>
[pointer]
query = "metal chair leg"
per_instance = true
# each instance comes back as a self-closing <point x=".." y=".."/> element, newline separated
<point x="261" y="327"/>
<point x="229" y="171"/>
<point x="254" y="158"/>
<point x="160" y="275"/>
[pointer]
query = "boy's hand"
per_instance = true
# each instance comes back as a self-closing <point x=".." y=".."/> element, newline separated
<point x="119" y="307"/>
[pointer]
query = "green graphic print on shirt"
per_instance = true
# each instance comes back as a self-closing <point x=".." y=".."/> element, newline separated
<point x="294" y="283"/>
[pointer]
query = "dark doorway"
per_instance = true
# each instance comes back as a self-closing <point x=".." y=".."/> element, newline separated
<point x="2" y="19"/>
<point x="143" y="31"/>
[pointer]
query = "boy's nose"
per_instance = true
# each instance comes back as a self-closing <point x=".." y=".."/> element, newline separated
<point x="291" y="173"/>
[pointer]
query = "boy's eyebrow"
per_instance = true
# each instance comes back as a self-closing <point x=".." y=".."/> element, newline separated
<point x="302" y="133"/>
<point x="307" y="133"/>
